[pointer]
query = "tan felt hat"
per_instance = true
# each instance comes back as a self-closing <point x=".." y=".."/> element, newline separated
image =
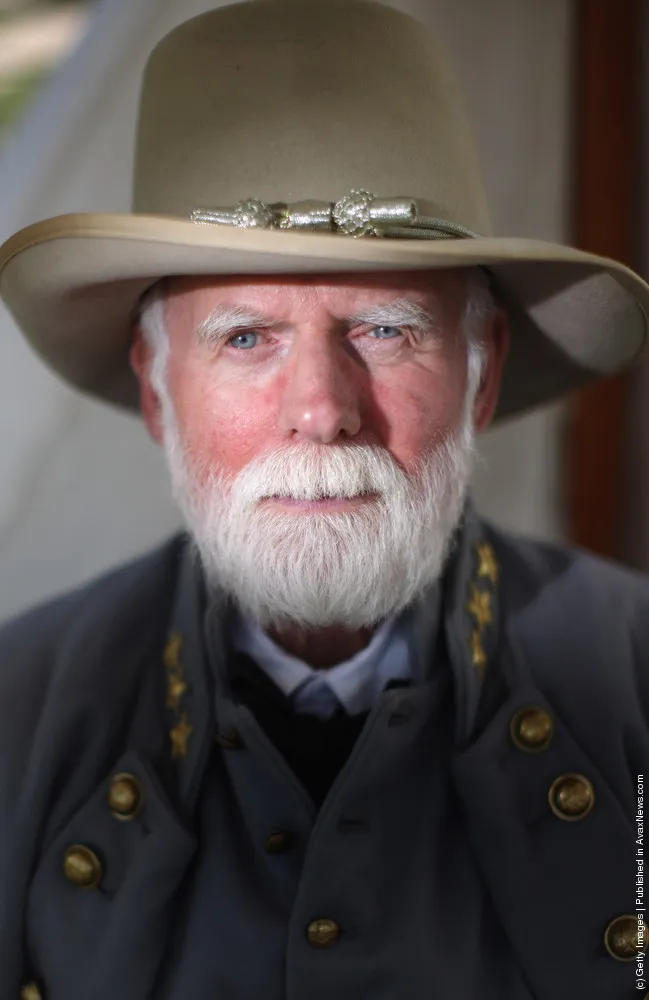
<point x="308" y="136"/>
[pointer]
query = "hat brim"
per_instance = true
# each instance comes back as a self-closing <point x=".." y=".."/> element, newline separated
<point x="72" y="284"/>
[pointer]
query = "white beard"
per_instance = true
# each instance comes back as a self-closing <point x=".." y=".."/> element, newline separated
<point x="315" y="569"/>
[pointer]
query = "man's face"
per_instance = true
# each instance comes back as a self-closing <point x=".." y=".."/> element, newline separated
<point x="279" y="390"/>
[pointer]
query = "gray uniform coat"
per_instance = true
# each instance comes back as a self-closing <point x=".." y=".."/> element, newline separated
<point x="453" y="857"/>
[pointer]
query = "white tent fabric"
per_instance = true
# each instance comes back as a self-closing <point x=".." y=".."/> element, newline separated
<point x="81" y="487"/>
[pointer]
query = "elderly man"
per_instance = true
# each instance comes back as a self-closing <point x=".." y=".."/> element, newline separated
<point x="343" y="738"/>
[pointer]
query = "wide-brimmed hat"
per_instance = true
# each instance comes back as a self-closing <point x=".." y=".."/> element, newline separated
<point x="308" y="136"/>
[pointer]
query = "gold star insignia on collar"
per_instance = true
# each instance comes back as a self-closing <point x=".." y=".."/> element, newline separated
<point x="172" y="652"/>
<point x="179" y="736"/>
<point x="478" y="654"/>
<point x="176" y="688"/>
<point x="488" y="567"/>
<point x="480" y="606"/>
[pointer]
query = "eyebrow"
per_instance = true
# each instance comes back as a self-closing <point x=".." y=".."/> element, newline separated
<point x="223" y="320"/>
<point x="397" y="312"/>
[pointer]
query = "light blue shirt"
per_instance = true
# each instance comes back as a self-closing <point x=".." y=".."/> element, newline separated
<point x="354" y="684"/>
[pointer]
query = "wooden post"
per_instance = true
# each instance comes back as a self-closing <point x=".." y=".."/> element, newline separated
<point x="607" y="222"/>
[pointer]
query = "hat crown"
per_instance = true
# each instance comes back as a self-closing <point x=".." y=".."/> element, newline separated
<point x="289" y="100"/>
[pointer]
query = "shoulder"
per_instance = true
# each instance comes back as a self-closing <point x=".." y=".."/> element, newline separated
<point x="73" y="633"/>
<point x="128" y="585"/>
<point x="535" y="572"/>
<point x="581" y="624"/>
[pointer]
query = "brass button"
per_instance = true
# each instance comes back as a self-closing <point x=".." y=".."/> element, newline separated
<point x="30" y="991"/>
<point x="82" y="866"/>
<point x="531" y="728"/>
<point x="278" y="842"/>
<point x="624" y="936"/>
<point x="571" y="796"/>
<point x="322" y="933"/>
<point x="124" y="796"/>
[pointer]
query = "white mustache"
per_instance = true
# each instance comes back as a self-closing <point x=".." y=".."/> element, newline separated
<point x="303" y="473"/>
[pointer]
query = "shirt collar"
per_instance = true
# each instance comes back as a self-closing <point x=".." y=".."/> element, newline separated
<point x="355" y="682"/>
<point x="289" y="672"/>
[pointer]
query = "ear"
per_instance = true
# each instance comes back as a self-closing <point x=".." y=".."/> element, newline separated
<point x="497" y="347"/>
<point x="141" y="359"/>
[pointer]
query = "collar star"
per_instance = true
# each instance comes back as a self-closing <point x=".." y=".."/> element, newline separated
<point x="488" y="567"/>
<point x="478" y="654"/>
<point x="480" y="606"/>
<point x="179" y="736"/>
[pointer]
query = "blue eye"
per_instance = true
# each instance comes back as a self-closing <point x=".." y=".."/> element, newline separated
<point x="247" y="333"/>
<point x="383" y="329"/>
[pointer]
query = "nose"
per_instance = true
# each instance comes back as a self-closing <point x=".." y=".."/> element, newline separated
<point x="320" y="399"/>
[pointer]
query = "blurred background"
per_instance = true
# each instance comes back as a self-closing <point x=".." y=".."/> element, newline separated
<point x="557" y="92"/>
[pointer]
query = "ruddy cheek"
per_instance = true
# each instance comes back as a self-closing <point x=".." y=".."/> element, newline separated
<point x="267" y="398"/>
<point x="234" y="433"/>
<point x="418" y="420"/>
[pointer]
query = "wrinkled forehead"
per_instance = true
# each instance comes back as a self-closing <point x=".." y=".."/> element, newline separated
<point x="443" y="291"/>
